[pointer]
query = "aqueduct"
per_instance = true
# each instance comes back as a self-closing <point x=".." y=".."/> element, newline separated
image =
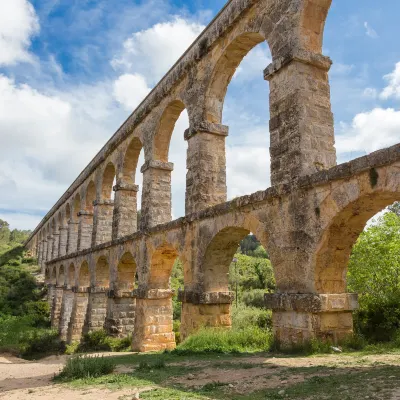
<point x="105" y="271"/>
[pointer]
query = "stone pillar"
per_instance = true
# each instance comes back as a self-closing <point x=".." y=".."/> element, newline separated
<point x="125" y="210"/>
<point x="120" y="319"/>
<point x="298" y="318"/>
<point x="72" y="243"/>
<point x="97" y="309"/>
<point x="211" y="309"/>
<point x="206" y="165"/>
<point x="56" y="243"/>
<point x="156" y="194"/>
<point x="44" y="256"/>
<point x="51" y="288"/>
<point x="79" y="315"/>
<point x="301" y="124"/>
<point x="50" y="241"/>
<point x="56" y="308"/>
<point x="63" y="241"/>
<point x="153" y="323"/>
<point x="85" y="230"/>
<point x="66" y="311"/>
<point x="102" y="221"/>
<point x="40" y="253"/>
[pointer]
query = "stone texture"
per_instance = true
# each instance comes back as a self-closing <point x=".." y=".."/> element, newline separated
<point x="308" y="220"/>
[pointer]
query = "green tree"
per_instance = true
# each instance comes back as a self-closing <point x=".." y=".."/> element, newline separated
<point x="374" y="273"/>
<point x="4" y="232"/>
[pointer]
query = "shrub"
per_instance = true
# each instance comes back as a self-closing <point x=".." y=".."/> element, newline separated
<point x="99" y="341"/>
<point x="18" y="335"/>
<point x="254" y="298"/>
<point x="40" y="342"/>
<point x="243" y="317"/>
<point x="79" y="367"/>
<point x="216" y="340"/>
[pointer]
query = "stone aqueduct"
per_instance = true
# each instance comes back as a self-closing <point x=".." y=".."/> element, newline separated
<point x="104" y="271"/>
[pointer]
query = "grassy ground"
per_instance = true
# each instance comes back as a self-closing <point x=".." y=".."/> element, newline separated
<point x="257" y="376"/>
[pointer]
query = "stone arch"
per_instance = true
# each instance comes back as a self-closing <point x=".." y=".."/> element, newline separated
<point x="224" y="70"/>
<point x="67" y="213"/>
<point x="102" y="273"/>
<point x="84" y="275"/>
<point x="131" y="160"/>
<point x="70" y="276"/>
<point x="345" y="226"/>
<point x="52" y="276"/>
<point x="61" y="276"/>
<point x="165" y="128"/>
<point x="126" y="273"/>
<point x="90" y="195"/>
<point x="76" y="206"/>
<point x="107" y="181"/>
<point x="312" y="24"/>
<point x="162" y="262"/>
<point x="218" y="257"/>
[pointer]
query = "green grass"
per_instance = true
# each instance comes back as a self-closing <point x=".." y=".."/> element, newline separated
<point x="214" y="340"/>
<point x="20" y="336"/>
<point x="85" y="367"/>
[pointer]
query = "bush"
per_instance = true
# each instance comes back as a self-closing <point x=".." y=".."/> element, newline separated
<point x="243" y="317"/>
<point x="99" y="341"/>
<point x="254" y="298"/>
<point x="40" y="342"/>
<point x="18" y="335"/>
<point x="216" y="340"/>
<point x="80" y="367"/>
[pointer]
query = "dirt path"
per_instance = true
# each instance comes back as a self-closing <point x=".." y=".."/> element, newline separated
<point x="21" y="379"/>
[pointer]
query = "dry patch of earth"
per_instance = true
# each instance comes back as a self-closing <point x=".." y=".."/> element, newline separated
<point x="254" y="377"/>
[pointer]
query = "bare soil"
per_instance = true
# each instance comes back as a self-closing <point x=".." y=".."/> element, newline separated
<point x="21" y="379"/>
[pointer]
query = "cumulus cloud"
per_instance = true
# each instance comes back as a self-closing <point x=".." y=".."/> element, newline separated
<point x="48" y="138"/>
<point x="369" y="131"/>
<point x="392" y="90"/>
<point x="18" y="23"/>
<point x="153" y="51"/>
<point x="130" y="90"/>
<point x="369" y="31"/>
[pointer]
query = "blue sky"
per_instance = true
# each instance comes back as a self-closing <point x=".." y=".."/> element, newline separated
<point x="71" y="71"/>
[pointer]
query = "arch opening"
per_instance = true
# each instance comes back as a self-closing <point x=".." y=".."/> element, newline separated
<point x="238" y="74"/>
<point x="70" y="276"/>
<point x="84" y="276"/>
<point x="126" y="273"/>
<point x="61" y="276"/>
<point x="169" y="146"/>
<point x="162" y="263"/>
<point x="131" y="160"/>
<point x="102" y="274"/>
<point x="76" y="206"/>
<point x="333" y="254"/>
<point x="108" y="181"/>
<point x="90" y="196"/>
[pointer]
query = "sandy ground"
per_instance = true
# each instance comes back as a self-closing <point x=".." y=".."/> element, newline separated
<point x="21" y="379"/>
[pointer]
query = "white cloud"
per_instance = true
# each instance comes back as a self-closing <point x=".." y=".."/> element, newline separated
<point x="370" y="93"/>
<point x="153" y="51"/>
<point x="393" y="88"/>
<point x="370" y="131"/>
<point x="48" y="138"/>
<point x="20" y="220"/>
<point x="369" y="31"/>
<point x="130" y="90"/>
<point x="18" y="23"/>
